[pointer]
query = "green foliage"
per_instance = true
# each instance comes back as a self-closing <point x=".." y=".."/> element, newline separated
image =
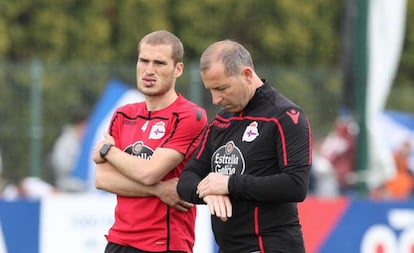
<point x="105" y="31"/>
<point x="81" y="44"/>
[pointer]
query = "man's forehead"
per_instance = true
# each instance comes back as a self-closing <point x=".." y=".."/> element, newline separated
<point x="214" y="78"/>
<point x="216" y="68"/>
<point x="160" y="50"/>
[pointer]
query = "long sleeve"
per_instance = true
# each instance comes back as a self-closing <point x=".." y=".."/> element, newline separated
<point x="196" y="169"/>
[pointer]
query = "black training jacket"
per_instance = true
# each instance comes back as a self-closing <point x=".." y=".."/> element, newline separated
<point x="266" y="150"/>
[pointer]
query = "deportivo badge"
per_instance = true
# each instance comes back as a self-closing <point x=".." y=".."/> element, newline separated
<point x="251" y="132"/>
<point x="157" y="130"/>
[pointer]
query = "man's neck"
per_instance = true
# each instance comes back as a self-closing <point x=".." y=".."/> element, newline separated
<point x="155" y="103"/>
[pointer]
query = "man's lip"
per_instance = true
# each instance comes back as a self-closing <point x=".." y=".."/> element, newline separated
<point x="148" y="81"/>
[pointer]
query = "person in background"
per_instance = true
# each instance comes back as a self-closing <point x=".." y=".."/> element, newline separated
<point x="144" y="152"/>
<point x="253" y="163"/>
<point x="401" y="186"/>
<point x="323" y="181"/>
<point x="30" y="187"/>
<point x="65" y="153"/>
<point x="339" y="149"/>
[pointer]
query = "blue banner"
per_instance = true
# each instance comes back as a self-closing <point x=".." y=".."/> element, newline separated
<point x="19" y="224"/>
<point x="115" y="95"/>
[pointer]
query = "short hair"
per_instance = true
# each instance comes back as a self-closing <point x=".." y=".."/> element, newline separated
<point x="165" y="38"/>
<point x="232" y="54"/>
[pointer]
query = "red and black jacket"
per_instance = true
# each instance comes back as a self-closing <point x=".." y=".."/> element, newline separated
<point x="266" y="150"/>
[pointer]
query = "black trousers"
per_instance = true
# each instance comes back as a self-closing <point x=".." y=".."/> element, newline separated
<point x="116" y="248"/>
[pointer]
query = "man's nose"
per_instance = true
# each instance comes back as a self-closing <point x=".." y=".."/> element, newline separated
<point x="215" y="98"/>
<point x="149" y="68"/>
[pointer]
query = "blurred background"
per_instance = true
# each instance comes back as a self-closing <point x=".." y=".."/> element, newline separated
<point x="57" y="57"/>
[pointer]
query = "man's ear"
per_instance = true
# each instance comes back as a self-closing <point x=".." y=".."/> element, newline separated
<point x="247" y="73"/>
<point x="179" y="67"/>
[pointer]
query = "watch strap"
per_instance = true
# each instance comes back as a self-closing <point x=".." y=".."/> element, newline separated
<point x="105" y="149"/>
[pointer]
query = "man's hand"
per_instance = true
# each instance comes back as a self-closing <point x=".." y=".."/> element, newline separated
<point x="219" y="206"/>
<point x="213" y="184"/>
<point x="166" y="191"/>
<point x="96" y="157"/>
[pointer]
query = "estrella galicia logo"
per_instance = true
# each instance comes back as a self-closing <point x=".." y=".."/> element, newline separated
<point x="140" y="150"/>
<point x="228" y="160"/>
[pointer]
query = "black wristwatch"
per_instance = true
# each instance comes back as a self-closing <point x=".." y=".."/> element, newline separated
<point x="104" y="150"/>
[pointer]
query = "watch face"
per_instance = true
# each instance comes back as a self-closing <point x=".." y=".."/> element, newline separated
<point x="104" y="150"/>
